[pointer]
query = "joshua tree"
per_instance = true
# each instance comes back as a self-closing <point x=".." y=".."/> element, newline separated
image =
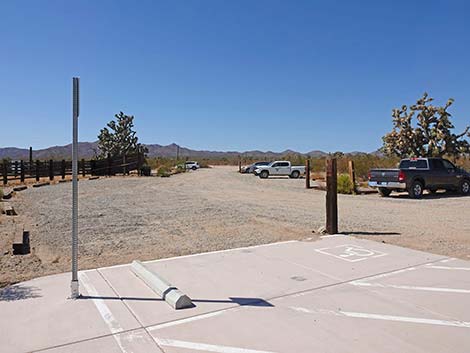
<point x="120" y="139"/>
<point x="431" y="136"/>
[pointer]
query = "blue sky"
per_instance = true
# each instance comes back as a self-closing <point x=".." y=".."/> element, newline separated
<point x="229" y="75"/>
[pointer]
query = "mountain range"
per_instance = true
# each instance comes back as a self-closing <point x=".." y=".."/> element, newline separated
<point x="88" y="150"/>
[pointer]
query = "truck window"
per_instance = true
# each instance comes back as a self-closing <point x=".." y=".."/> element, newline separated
<point x="414" y="164"/>
<point x="447" y="164"/>
<point x="283" y="164"/>
<point x="437" y="164"/>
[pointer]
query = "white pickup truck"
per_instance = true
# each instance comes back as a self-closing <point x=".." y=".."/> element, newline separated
<point x="279" y="168"/>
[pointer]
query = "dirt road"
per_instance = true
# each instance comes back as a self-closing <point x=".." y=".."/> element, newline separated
<point x="122" y="219"/>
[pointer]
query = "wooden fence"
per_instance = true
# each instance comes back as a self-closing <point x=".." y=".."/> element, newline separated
<point x="22" y="170"/>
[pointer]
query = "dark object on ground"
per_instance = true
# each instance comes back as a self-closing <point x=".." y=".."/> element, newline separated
<point x="20" y="188"/>
<point x="418" y="174"/>
<point x="145" y="170"/>
<point x="8" y="196"/>
<point x="9" y="210"/>
<point x="93" y="178"/>
<point x="21" y="243"/>
<point x="38" y="185"/>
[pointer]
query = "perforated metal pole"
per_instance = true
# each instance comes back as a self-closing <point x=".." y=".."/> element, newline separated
<point x="76" y="102"/>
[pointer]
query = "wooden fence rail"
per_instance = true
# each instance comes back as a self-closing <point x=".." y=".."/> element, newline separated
<point x="22" y="170"/>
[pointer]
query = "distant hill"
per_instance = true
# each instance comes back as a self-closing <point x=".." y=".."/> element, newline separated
<point x="88" y="150"/>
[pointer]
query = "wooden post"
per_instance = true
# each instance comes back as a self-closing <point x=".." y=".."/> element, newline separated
<point x="83" y="168"/>
<point x="177" y="153"/>
<point x="22" y="171"/>
<point x="331" y="197"/>
<point x="5" y="172"/>
<point x="37" y="170"/>
<point x="16" y="169"/>
<point x="30" y="161"/>
<point x="124" y="169"/>
<point x="239" y="164"/>
<point x="92" y="167"/>
<point x="62" y="167"/>
<point x="352" y="175"/>
<point x="51" y="169"/>
<point x="110" y="165"/>
<point x="307" y="174"/>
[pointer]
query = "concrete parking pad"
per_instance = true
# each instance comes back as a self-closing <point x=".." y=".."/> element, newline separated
<point x="339" y="294"/>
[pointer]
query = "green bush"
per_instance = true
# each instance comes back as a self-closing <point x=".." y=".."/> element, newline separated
<point x="163" y="171"/>
<point x="345" y="185"/>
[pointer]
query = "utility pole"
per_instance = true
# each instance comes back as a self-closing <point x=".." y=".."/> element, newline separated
<point x="75" y="293"/>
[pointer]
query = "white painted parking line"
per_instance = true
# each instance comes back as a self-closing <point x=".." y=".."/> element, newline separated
<point x="351" y="253"/>
<point x="204" y="347"/>
<point x="414" y="320"/>
<point x="388" y="274"/>
<point x="184" y="321"/>
<point x="429" y="289"/>
<point x="103" y="309"/>
<point x="448" y="268"/>
<point x="123" y="339"/>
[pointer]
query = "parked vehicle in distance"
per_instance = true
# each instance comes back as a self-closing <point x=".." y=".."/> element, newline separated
<point x="191" y="165"/>
<point x="415" y="175"/>
<point x="280" y="168"/>
<point x="252" y="167"/>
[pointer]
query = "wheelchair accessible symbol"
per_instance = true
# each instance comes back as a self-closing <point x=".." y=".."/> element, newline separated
<point x="352" y="253"/>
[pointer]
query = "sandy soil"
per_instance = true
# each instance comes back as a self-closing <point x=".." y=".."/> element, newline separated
<point x="122" y="219"/>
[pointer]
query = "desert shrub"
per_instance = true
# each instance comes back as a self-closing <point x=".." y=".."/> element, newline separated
<point x="180" y="168"/>
<point x="163" y="171"/>
<point x="1" y="193"/>
<point x="345" y="185"/>
<point x="204" y="164"/>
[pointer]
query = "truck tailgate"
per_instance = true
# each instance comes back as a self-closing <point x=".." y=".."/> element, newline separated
<point x="384" y="175"/>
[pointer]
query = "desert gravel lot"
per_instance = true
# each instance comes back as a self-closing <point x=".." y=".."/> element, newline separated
<point x="122" y="219"/>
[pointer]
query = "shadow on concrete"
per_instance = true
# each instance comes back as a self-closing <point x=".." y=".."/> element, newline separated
<point x="232" y="300"/>
<point x="370" y="233"/>
<point x="430" y="196"/>
<point x="18" y="292"/>
<point x="238" y="300"/>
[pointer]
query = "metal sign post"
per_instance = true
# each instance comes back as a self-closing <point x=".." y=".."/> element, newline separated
<point x="74" y="285"/>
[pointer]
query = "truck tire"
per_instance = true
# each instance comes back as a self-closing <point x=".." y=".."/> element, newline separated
<point x="416" y="190"/>
<point x="295" y="174"/>
<point x="464" y="187"/>
<point x="384" y="192"/>
<point x="264" y="174"/>
<point x="193" y="168"/>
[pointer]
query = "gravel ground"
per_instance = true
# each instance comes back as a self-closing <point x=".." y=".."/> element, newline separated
<point x="127" y="218"/>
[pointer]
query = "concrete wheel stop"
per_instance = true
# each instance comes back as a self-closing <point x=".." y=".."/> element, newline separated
<point x="172" y="295"/>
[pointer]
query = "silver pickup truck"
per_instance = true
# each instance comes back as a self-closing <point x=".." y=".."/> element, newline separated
<point x="280" y="168"/>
